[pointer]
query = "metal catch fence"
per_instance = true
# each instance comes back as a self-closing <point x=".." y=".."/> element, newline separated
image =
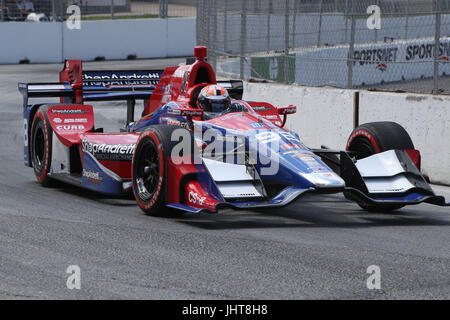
<point x="387" y="44"/>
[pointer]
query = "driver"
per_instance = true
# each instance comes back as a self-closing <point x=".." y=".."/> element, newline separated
<point x="214" y="100"/>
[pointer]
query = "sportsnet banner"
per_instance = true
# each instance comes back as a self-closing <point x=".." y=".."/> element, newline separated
<point x="406" y="60"/>
<point x="373" y="63"/>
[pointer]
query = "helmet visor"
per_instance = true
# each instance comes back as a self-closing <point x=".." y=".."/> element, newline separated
<point x="217" y="106"/>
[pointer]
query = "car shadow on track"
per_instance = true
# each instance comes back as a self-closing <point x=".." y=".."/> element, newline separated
<point x="126" y="200"/>
<point x="330" y="212"/>
<point x="310" y="211"/>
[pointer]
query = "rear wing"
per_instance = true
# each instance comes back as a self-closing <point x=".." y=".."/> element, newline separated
<point x="119" y="85"/>
<point x="78" y="86"/>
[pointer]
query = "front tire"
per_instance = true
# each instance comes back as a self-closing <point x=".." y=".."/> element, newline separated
<point x="375" y="137"/>
<point x="41" y="146"/>
<point x="149" y="173"/>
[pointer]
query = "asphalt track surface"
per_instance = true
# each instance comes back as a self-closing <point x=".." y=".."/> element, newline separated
<point x="318" y="248"/>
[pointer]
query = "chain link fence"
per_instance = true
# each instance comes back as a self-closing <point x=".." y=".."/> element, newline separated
<point x="56" y="10"/>
<point x="382" y="44"/>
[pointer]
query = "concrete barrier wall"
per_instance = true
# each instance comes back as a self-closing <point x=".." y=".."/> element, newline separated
<point x="116" y="39"/>
<point x="37" y="42"/>
<point x="112" y="39"/>
<point x="325" y="117"/>
<point x="425" y="117"/>
<point x="181" y="36"/>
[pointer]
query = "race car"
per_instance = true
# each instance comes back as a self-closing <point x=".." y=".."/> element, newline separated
<point x="199" y="147"/>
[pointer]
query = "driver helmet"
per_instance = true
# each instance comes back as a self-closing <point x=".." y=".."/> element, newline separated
<point x="213" y="99"/>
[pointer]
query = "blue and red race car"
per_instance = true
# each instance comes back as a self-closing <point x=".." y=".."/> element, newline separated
<point x="180" y="157"/>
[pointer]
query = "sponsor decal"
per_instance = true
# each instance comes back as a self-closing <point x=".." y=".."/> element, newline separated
<point x="230" y="116"/>
<point x="426" y="51"/>
<point x="261" y="108"/>
<point x="72" y="127"/>
<point x="167" y="90"/>
<point x="423" y="51"/>
<point x="57" y="120"/>
<point x="267" y="136"/>
<point x="78" y="120"/>
<point x="195" y="198"/>
<point x="229" y="138"/>
<point x="287" y="110"/>
<point x="173" y="122"/>
<point x="156" y="195"/>
<point x="131" y="78"/>
<point x="395" y="190"/>
<point x="387" y="190"/>
<point x="270" y="117"/>
<point x="69" y="111"/>
<point x="25" y="132"/>
<point x="382" y="67"/>
<point x="109" y="152"/>
<point x="289" y="136"/>
<point x="186" y="112"/>
<point x="375" y="56"/>
<point x="312" y="163"/>
<point x="92" y="176"/>
<point x="167" y="93"/>
<point x="256" y="125"/>
<point x="358" y="133"/>
<point x="287" y="146"/>
<point x="192" y="113"/>
<point x="175" y="111"/>
<point x="299" y="155"/>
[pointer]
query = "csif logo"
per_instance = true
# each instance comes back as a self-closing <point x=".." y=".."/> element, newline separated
<point x="195" y="198"/>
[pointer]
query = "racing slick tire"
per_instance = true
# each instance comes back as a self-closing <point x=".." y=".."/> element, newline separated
<point x="41" y="146"/>
<point x="149" y="169"/>
<point x="375" y="137"/>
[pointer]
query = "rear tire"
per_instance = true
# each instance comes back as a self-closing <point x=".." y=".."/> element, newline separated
<point x="375" y="137"/>
<point x="41" y="146"/>
<point x="149" y="170"/>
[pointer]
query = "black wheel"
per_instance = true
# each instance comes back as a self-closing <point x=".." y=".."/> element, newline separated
<point x="375" y="137"/>
<point x="41" y="146"/>
<point x="149" y="165"/>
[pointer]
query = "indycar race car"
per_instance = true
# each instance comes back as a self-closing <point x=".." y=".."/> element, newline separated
<point x="180" y="157"/>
